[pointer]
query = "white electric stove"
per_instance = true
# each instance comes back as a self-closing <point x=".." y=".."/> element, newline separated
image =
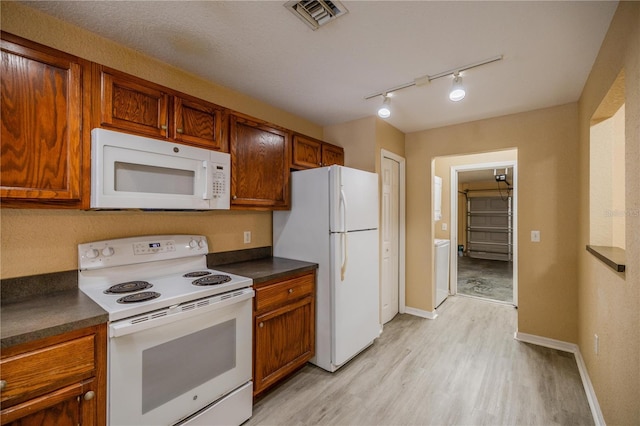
<point x="180" y="334"/>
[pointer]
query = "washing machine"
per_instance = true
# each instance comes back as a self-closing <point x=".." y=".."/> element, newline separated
<point x="441" y="264"/>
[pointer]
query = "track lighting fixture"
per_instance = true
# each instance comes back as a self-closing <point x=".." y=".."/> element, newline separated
<point x="457" y="92"/>
<point x="385" y="109"/>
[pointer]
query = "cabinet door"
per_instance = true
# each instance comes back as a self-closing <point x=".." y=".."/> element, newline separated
<point x="332" y="154"/>
<point x="44" y="157"/>
<point x="70" y="406"/>
<point x="307" y="152"/>
<point x="199" y="123"/>
<point x="259" y="165"/>
<point x="58" y="380"/>
<point x="131" y="104"/>
<point x="285" y="340"/>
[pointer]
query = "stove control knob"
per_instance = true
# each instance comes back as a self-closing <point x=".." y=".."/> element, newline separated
<point x="201" y="244"/>
<point x="193" y="244"/>
<point x="107" y="251"/>
<point x="92" y="253"/>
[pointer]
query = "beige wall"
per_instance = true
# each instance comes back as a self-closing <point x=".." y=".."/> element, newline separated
<point x="388" y="138"/>
<point x="358" y="138"/>
<point x="39" y="241"/>
<point x="443" y="169"/>
<point x="547" y="144"/>
<point x="606" y="181"/>
<point x="609" y="302"/>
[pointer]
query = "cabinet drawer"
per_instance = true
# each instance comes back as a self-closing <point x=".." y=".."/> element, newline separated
<point x="35" y="372"/>
<point x="284" y="291"/>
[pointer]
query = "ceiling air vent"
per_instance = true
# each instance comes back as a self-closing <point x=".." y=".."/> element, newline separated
<point x="316" y="13"/>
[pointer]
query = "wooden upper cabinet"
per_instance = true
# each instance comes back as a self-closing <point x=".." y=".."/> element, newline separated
<point x="45" y="158"/>
<point x="308" y="153"/>
<point x="199" y="123"/>
<point x="332" y="154"/>
<point x="133" y="105"/>
<point x="130" y="104"/>
<point x="259" y="164"/>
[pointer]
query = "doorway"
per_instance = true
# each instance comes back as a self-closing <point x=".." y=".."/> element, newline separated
<point x="485" y="234"/>
<point x="484" y="221"/>
<point x="392" y="236"/>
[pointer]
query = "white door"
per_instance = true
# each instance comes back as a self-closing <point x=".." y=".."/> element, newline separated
<point x="389" y="239"/>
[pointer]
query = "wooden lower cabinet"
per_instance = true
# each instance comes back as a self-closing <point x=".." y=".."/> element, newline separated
<point x="284" y="328"/>
<point x="59" y="380"/>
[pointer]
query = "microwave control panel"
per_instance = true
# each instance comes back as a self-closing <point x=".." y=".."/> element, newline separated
<point x="220" y="185"/>
<point x="219" y="181"/>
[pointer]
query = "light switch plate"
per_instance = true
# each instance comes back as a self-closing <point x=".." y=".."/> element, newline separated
<point x="535" y="236"/>
<point x="444" y="226"/>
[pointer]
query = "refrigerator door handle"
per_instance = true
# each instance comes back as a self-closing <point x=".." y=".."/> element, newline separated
<point x="343" y="267"/>
<point x="343" y="198"/>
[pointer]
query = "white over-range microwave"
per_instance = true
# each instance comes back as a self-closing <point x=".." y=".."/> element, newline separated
<point x="135" y="172"/>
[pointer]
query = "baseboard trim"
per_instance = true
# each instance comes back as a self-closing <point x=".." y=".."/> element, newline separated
<point x="596" y="412"/>
<point x="420" y="313"/>
<point x="598" y="418"/>
<point x="546" y="342"/>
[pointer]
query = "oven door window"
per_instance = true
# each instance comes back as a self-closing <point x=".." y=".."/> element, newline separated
<point x="211" y="353"/>
<point x="163" y="374"/>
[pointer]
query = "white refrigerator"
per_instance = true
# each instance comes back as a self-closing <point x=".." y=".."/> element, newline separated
<point x="333" y="222"/>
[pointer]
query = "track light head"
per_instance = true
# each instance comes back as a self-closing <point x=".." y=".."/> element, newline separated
<point x="457" y="92"/>
<point x="385" y="109"/>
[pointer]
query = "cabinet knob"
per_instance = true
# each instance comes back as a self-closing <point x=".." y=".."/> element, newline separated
<point x="163" y="127"/>
<point x="261" y="324"/>
<point x="234" y="197"/>
<point x="89" y="395"/>
<point x="290" y="290"/>
<point x="179" y="131"/>
<point x="3" y="384"/>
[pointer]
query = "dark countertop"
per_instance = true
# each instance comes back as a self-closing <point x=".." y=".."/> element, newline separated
<point x="50" y="304"/>
<point x="25" y="320"/>
<point x="261" y="270"/>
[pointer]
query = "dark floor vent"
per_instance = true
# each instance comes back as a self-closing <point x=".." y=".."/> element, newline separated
<point x="316" y="13"/>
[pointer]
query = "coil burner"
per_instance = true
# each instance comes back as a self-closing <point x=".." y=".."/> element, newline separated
<point x="128" y="287"/>
<point x="212" y="280"/>
<point x="196" y="274"/>
<point x="139" y="297"/>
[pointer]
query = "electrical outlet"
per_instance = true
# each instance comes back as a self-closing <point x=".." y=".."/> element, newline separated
<point x="247" y="237"/>
<point x="535" y="236"/>
<point x="444" y="226"/>
<point x="596" y="344"/>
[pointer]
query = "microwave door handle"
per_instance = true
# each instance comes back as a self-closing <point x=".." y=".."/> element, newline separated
<point x="208" y="184"/>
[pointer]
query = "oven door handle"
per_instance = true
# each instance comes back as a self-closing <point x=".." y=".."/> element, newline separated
<point x="178" y="312"/>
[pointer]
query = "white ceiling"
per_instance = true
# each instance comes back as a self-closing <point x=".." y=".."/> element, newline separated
<point x="261" y="49"/>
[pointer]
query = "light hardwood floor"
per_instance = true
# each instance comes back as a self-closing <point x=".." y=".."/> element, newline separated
<point x="463" y="368"/>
